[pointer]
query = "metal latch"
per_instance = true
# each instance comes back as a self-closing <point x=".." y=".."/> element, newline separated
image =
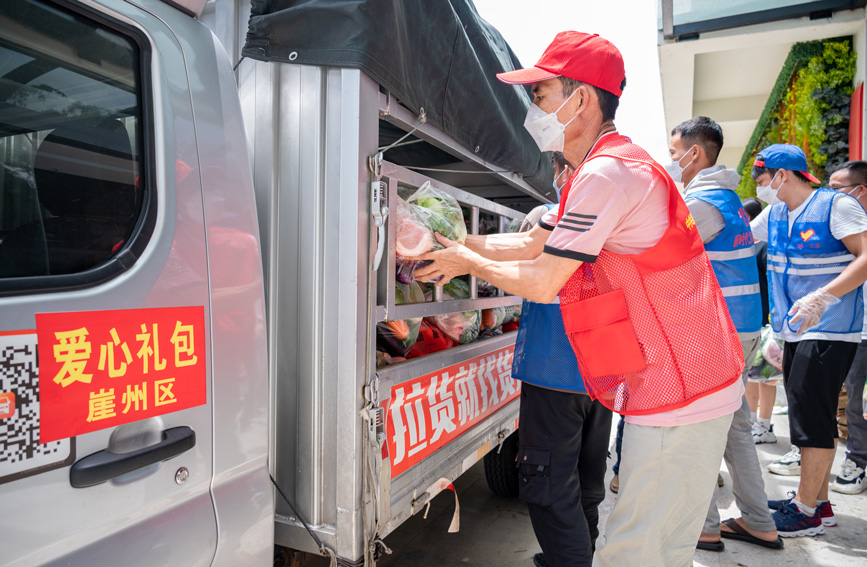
<point x="379" y="211"/>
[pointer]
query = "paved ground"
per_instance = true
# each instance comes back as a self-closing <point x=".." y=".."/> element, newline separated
<point x="496" y="532"/>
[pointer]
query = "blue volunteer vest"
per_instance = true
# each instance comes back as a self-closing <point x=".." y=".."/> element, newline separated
<point x="733" y="259"/>
<point x="809" y="259"/>
<point x="543" y="355"/>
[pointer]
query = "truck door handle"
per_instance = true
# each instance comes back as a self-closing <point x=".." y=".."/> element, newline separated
<point x="103" y="465"/>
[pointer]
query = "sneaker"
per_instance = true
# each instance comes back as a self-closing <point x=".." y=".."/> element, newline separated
<point x="539" y="560"/>
<point x="823" y="510"/>
<point x="850" y="480"/>
<point x="777" y="505"/>
<point x="826" y="513"/>
<point x="792" y="522"/>
<point x="763" y="433"/>
<point x="789" y="465"/>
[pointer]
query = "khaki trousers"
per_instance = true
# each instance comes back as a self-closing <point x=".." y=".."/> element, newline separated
<point x="667" y="479"/>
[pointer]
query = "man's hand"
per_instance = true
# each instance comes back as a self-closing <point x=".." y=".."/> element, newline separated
<point x="810" y="308"/>
<point x="454" y="260"/>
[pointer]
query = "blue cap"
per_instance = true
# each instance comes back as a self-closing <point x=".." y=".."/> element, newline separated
<point x="785" y="156"/>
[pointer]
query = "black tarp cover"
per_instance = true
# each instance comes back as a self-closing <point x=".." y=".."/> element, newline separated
<point x="439" y="55"/>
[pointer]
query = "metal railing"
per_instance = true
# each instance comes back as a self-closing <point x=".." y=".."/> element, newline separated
<point x="393" y="175"/>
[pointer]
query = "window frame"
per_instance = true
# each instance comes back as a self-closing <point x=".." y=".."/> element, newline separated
<point x="144" y="226"/>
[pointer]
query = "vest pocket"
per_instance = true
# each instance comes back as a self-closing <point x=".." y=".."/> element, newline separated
<point x="533" y="468"/>
<point x="602" y="335"/>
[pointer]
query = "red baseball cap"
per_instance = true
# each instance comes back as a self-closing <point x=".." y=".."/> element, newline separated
<point x="581" y="56"/>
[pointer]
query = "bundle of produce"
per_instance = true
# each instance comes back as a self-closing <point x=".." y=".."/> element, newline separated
<point x="398" y="337"/>
<point x="425" y="212"/>
<point x="513" y="314"/>
<point x="767" y="365"/>
<point x="512" y="318"/>
<point x="485" y="289"/>
<point x="405" y="269"/>
<point x="430" y="339"/>
<point x="492" y="318"/>
<point x="462" y="326"/>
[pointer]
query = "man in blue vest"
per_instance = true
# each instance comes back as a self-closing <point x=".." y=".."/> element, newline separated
<point x="725" y="230"/>
<point x="817" y="262"/>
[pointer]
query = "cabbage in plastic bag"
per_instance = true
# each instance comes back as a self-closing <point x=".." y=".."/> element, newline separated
<point x="398" y="337"/>
<point x="425" y="212"/>
<point x="463" y="326"/>
<point x="513" y="314"/>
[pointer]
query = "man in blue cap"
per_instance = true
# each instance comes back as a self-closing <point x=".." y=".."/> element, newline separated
<point x="817" y="261"/>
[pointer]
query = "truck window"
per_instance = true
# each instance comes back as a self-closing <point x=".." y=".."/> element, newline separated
<point x="71" y="178"/>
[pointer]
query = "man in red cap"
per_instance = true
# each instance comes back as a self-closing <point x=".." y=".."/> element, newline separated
<point x="643" y="313"/>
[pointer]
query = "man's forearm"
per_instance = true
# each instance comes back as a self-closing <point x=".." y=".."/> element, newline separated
<point x="508" y="246"/>
<point x="538" y="280"/>
<point x="499" y="247"/>
<point x="852" y="277"/>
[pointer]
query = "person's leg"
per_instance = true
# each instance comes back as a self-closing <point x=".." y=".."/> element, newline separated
<point x="752" y="396"/>
<point x="767" y="396"/>
<point x="666" y="482"/>
<point x="743" y="465"/>
<point x="856" y="442"/>
<point x="550" y="443"/>
<point x="815" y="471"/>
<point x="591" y="463"/>
<point x="748" y="486"/>
<point x="816" y="372"/>
<point x="852" y="478"/>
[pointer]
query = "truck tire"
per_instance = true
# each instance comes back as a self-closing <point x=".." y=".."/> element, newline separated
<point x="500" y="470"/>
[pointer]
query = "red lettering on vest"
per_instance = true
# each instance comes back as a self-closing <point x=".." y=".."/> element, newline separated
<point x="743" y="240"/>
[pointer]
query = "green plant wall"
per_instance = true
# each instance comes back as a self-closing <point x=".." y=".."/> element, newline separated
<point x="808" y="107"/>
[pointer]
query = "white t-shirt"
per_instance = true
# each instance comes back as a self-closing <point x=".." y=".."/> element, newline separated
<point x="847" y="218"/>
<point x="624" y="210"/>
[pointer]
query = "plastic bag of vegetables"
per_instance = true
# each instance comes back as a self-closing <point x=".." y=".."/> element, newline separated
<point x="430" y="339"/>
<point x="512" y="318"/>
<point x="425" y="212"/>
<point x="492" y="318"/>
<point x="462" y="326"/>
<point x="485" y="289"/>
<point x="398" y="337"/>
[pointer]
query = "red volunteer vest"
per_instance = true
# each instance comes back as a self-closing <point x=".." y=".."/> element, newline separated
<point x="651" y="331"/>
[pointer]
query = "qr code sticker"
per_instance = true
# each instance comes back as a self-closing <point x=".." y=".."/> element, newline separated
<point x="21" y="454"/>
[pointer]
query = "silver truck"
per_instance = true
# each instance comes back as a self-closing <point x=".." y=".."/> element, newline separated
<point x="193" y="264"/>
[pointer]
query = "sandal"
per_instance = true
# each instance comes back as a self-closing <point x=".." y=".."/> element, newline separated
<point x="740" y="534"/>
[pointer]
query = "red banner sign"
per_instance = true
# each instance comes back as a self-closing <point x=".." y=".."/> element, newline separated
<point x="100" y="369"/>
<point x="428" y="412"/>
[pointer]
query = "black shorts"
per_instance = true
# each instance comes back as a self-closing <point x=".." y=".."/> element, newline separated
<point x="813" y="373"/>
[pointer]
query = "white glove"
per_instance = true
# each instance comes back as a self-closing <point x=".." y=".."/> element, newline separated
<point x="809" y="309"/>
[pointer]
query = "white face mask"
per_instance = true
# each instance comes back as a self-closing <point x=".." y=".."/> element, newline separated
<point x="546" y="129"/>
<point x="674" y="169"/>
<point x="556" y="186"/>
<point x="767" y="193"/>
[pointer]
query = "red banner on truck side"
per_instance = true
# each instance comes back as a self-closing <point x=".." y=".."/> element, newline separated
<point x="100" y="369"/>
<point x="426" y="413"/>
